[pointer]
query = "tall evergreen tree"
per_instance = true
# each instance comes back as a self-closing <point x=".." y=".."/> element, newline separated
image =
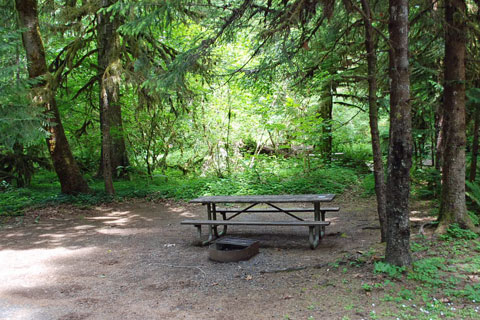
<point x="109" y="65"/>
<point x="378" y="168"/>
<point x="67" y="170"/>
<point x="400" y="148"/>
<point x="452" y="206"/>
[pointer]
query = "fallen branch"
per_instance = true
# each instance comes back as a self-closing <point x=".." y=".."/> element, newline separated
<point x="291" y="269"/>
<point x="422" y="227"/>
<point x="189" y="267"/>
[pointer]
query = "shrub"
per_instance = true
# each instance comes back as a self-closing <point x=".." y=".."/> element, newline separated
<point x="455" y="232"/>
<point x="391" y="270"/>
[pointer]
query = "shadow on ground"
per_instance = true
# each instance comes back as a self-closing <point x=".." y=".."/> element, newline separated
<point x="135" y="261"/>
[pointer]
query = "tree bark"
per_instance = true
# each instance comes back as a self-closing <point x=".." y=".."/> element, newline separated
<point x="476" y="127"/>
<point x="325" y="112"/>
<point x="108" y="63"/>
<point x="118" y="150"/>
<point x="378" y="170"/>
<point x="67" y="170"/>
<point x="452" y="204"/>
<point x="400" y="148"/>
<point x="440" y="138"/>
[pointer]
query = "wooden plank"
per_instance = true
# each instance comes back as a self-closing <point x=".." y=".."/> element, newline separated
<point x="266" y="198"/>
<point x="330" y="209"/>
<point x="225" y="210"/>
<point x="235" y="241"/>
<point x="255" y="223"/>
<point x="265" y="210"/>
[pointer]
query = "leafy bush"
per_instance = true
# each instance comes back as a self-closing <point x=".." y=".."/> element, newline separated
<point x="473" y="192"/>
<point x="427" y="270"/>
<point x="368" y="185"/>
<point x="389" y="269"/>
<point x="268" y="177"/>
<point x="427" y="182"/>
<point x="455" y="232"/>
<point x="474" y="217"/>
<point x="356" y="156"/>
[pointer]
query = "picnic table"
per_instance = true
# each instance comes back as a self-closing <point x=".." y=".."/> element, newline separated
<point x="274" y="204"/>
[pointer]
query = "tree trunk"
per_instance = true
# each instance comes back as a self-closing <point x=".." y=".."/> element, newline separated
<point x="67" y="170"/>
<point x="452" y="204"/>
<point x="473" y="165"/>
<point x="400" y="148"/>
<point x="119" y="151"/>
<point x="440" y="138"/>
<point x="110" y="112"/>
<point x="380" y="187"/>
<point x="109" y="63"/>
<point x="325" y="112"/>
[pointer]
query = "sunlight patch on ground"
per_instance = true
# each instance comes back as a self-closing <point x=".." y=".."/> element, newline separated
<point x="124" y="232"/>
<point x="120" y="221"/>
<point x="33" y="267"/>
<point x="188" y="214"/>
<point x="423" y="219"/>
<point x="118" y="213"/>
<point x="103" y="209"/>
<point x="116" y="217"/>
<point x="333" y="220"/>
<point x="84" y="227"/>
<point x="14" y="234"/>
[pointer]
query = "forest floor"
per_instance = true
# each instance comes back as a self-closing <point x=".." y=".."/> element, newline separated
<point x="134" y="260"/>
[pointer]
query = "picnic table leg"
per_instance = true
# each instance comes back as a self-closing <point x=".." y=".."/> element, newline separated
<point x="314" y="237"/>
<point x="214" y="215"/>
<point x="224" y="216"/>
<point x="318" y="215"/>
<point x="215" y="228"/>
<point x="211" y="229"/>
<point x="199" y="230"/>
<point x="323" y="219"/>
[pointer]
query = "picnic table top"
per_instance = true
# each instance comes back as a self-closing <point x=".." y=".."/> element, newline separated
<point x="266" y="198"/>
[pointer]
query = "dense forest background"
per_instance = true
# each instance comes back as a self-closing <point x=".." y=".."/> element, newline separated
<point x="186" y="98"/>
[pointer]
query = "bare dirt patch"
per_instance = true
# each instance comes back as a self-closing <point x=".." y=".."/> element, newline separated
<point x="135" y="261"/>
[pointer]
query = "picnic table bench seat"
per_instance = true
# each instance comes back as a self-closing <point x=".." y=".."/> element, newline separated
<point x="313" y="238"/>
<point x="231" y="210"/>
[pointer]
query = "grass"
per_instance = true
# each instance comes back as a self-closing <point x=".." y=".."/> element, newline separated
<point x="266" y="177"/>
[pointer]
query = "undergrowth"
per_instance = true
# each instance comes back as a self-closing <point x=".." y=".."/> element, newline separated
<point x="442" y="283"/>
<point x="279" y="177"/>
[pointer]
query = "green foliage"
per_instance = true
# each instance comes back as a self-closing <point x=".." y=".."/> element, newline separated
<point x="427" y="182"/>
<point x="417" y="247"/>
<point x="356" y="156"/>
<point x="454" y="231"/>
<point x="406" y="294"/>
<point x="473" y="192"/>
<point x="20" y="122"/>
<point x="474" y="217"/>
<point x="198" y="79"/>
<point x="428" y="270"/>
<point x="368" y="185"/>
<point x="470" y="292"/>
<point x="269" y="177"/>
<point x="386" y="268"/>
<point x="366" y="287"/>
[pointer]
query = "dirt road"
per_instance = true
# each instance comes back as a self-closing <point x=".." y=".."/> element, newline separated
<point x="135" y="261"/>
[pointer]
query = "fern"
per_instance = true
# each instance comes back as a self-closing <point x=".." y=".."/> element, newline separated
<point x="474" y="192"/>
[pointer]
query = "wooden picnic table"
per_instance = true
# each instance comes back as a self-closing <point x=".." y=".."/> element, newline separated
<point x="316" y="226"/>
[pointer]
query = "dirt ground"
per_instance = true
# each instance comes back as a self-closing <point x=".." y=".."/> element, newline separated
<point x="135" y="261"/>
